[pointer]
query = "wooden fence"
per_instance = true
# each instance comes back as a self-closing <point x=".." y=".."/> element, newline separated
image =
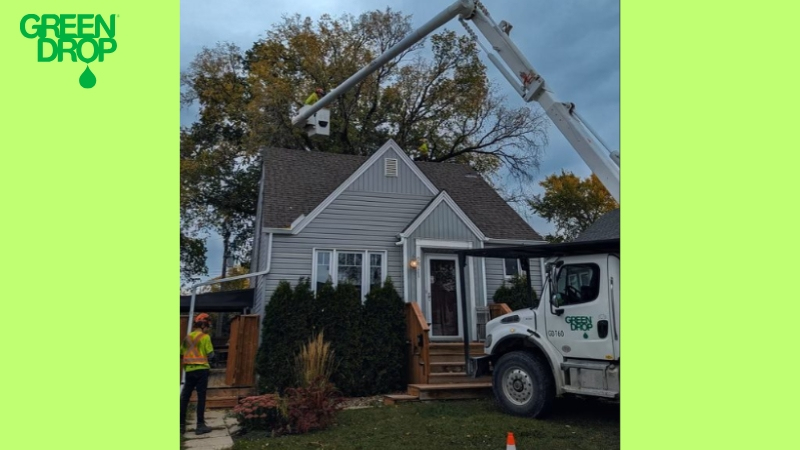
<point x="242" y="351"/>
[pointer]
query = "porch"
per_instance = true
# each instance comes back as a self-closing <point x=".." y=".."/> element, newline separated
<point x="436" y="370"/>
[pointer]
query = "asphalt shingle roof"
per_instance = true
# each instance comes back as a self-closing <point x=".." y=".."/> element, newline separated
<point x="606" y="227"/>
<point x="296" y="181"/>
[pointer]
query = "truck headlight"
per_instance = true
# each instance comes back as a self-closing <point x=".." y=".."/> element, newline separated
<point x="488" y="341"/>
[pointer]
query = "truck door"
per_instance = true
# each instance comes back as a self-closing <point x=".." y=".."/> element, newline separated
<point x="613" y="278"/>
<point x="580" y="326"/>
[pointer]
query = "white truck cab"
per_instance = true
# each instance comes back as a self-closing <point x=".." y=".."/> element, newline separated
<point x="565" y="343"/>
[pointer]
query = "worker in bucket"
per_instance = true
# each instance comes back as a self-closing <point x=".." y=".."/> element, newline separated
<point x="423" y="148"/>
<point x="315" y="96"/>
<point x="196" y="352"/>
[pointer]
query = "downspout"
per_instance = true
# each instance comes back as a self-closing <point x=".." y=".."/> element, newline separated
<point x="206" y="283"/>
<point x="404" y="243"/>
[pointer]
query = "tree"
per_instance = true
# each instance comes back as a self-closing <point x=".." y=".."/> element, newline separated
<point x="447" y="99"/>
<point x="243" y="283"/>
<point x="247" y="100"/>
<point x="572" y="204"/>
<point x="219" y="181"/>
<point x="193" y="258"/>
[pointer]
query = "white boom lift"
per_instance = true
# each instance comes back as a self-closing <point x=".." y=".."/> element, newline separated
<point x="569" y="342"/>
<point x="518" y="71"/>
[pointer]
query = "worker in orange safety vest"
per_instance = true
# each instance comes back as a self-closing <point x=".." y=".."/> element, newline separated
<point x="196" y="352"/>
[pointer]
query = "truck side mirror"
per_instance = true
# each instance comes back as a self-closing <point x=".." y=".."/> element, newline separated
<point x="554" y="305"/>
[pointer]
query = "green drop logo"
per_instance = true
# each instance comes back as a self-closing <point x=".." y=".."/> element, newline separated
<point x="87" y="79"/>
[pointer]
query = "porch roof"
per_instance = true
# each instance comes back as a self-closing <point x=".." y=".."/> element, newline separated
<point x="224" y="301"/>
<point x="546" y="250"/>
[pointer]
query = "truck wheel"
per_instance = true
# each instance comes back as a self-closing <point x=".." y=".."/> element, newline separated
<point x="523" y="385"/>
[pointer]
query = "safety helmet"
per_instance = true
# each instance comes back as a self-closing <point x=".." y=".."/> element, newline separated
<point x="319" y="91"/>
<point x="202" y="318"/>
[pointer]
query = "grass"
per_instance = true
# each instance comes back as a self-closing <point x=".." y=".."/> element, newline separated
<point x="470" y="424"/>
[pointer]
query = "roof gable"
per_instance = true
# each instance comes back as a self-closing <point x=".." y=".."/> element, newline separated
<point x="442" y="198"/>
<point x="479" y="201"/>
<point x="299" y="184"/>
<point x="389" y="146"/>
<point x="394" y="173"/>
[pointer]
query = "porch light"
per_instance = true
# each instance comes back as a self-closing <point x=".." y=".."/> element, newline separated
<point x="412" y="263"/>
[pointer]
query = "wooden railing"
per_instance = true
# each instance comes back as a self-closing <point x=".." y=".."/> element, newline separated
<point x="498" y="309"/>
<point x="419" y="345"/>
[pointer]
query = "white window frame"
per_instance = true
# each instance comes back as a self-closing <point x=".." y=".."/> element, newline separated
<point x="506" y="276"/>
<point x="365" y="267"/>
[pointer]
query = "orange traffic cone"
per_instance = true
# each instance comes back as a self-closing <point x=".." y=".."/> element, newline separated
<point x="510" y="445"/>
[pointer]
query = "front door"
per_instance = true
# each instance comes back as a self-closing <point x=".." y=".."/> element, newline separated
<point x="442" y="285"/>
<point x="585" y="328"/>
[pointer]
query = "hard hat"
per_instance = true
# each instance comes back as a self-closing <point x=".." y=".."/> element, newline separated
<point x="319" y="91"/>
<point x="202" y="317"/>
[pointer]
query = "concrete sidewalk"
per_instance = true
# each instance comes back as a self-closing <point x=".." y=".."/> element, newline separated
<point x="218" y="439"/>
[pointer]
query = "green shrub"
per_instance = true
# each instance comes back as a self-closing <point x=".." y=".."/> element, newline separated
<point x="341" y="320"/>
<point x="384" y="356"/>
<point x="515" y="295"/>
<point x="368" y="341"/>
<point x="285" y="328"/>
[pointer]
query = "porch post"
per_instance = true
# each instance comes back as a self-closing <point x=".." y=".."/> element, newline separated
<point x="462" y="262"/>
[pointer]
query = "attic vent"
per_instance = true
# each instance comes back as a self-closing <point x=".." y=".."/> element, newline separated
<point x="390" y="167"/>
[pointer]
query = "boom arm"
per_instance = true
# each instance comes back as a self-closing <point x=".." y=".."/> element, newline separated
<point x="522" y="76"/>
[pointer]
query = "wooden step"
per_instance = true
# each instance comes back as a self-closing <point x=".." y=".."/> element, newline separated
<point x="455" y="377"/>
<point x="216" y="378"/>
<point x="453" y="358"/>
<point x="447" y="367"/>
<point x="221" y="402"/>
<point x="399" y="398"/>
<point x="450" y="391"/>
<point x="225" y="392"/>
<point x="451" y="347"/>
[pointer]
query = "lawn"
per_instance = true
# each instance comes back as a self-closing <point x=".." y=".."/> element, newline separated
<point x="575" y="424"/>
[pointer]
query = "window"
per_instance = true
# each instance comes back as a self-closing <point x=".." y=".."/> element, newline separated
<point x="375" y="270"/>
<point x="350" y="269"/>
<point x="511" y="268"/>
<point x="323" y="269"/>
<point x="363" y="268"/>
<point x="578" y="283"/>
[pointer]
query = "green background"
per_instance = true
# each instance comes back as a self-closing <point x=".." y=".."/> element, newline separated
<point x="89" y="207"/>
<point x="88" y="252"/>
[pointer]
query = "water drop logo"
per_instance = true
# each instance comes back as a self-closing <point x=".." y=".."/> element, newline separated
<point x="87" y="79"/>
<point x="74" y="37"/>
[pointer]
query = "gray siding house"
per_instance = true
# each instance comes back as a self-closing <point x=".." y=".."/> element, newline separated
<point x="341" y="217"/>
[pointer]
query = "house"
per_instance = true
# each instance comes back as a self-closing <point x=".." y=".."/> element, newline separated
<point x="343" y="217"/>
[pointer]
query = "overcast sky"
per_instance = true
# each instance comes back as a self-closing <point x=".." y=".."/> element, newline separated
<point x="573" y="44"/>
